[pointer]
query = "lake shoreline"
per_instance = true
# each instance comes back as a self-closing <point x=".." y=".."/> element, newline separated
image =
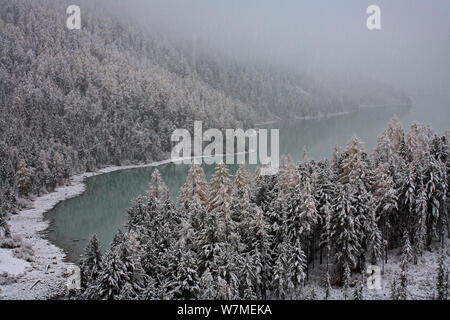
<point x="44" y="277"/>
<point x="32" y="224"/>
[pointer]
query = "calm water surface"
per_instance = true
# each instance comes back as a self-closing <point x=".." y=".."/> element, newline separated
<point x="102" y="208"/>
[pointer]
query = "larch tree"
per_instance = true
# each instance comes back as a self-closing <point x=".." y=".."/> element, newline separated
<point x="195" y="186"/>
<point x="23" y="178"/>
<point x="157" y="189"/>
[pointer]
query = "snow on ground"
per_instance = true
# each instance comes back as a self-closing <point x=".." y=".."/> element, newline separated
<point x="12" y="265"/>
<point x="44" y="277"/>
<point x="421" y="278"/>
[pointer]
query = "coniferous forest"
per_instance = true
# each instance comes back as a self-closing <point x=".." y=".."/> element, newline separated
<point x="113" y="93"/>
<point x="110" y="95"/>
<point x="259" y="237"/>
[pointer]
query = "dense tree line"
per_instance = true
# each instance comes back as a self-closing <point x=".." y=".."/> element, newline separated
<point x="259" y="237"/>
<point x="113" y="92"/>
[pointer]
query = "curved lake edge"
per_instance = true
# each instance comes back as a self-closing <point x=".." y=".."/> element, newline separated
<point x="48" y="252"/>
<point x="74" y="241"/>
<point x="46" y="278"/>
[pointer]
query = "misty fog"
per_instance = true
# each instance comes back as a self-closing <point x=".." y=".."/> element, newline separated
<point x="411" y="51"/>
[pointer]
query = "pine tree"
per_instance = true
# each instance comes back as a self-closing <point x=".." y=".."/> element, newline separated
<point x="220" y="190"/>
<point x="356" y="173"/>
<point x="385" y="203"/>
<point x="435" y="180"/>
<point x="195" y="186"/>
<point x="297" y="266"/>
<point x="23" y="179"/>
<point x="196" y="214"/>
<point x="346" y="279"/>
<point x="406" y="257"/>
<point x="358" y="292"/>
<point x="210" y="244"/>
<point x="157" y="188"/>
<point x="420" y="226"/>
<point x="394" y="290"/>
<point x="375" y="240"/>
<point x="91" y="262"/>
<point x="229" y="265"/>
<point x="247" y="278"/>
<point x="256" y="241"/>
<point x="442" y="278"/>
<point x="389" y="142"/>
<point x="119" y="239"/>
<point x="220" y="201"/>
<point x="241" y="188"/>
<point x="407" y="250"/>
<point x="242" y="181"/>
<point x="111" y="278"/>
<point x="308" y="208"/>
<point x="326" y="195"/>
<point x="186" y="280"/>
<point x="208" y="287"/>
<point x="355" y="167"/>
<point x="281" y="278"/>
<point x="343" y="233"/>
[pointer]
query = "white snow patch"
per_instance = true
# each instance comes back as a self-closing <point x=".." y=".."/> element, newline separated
<point x="10" y="264"/>
<point x="421" y="278"/>
<point x="45" y="276"/>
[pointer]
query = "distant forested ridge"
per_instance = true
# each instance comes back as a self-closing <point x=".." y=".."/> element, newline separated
<point x="261" y="237"/>
<point x="113" y="92"/>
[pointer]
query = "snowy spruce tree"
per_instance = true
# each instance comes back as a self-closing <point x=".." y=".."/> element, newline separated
<point x="343" y="232"/>
<point x="241" y="186"/>
<point x="186" y="277"/>
<point x="91" y="262"/>
<point x="442" y="278"/>
<point x="402" y="288"/>
<point x="385" y="204"/>
<point x="259" y="239"/>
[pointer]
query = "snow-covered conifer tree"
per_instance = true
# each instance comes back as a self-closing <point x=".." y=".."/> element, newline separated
<point x="23" y="178"/>
<point x="186" y="280"/>
<point x="157" y="189"/>
<point x="442" y="278"/>
<point x="91" y="262"/>
<point x="406" y="257"/>
<point x="343" y="233"/>
<point x="195" y="186"/>
<point x="346" y="280"/>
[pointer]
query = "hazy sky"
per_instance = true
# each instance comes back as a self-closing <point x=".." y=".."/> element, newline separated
<point x="411" y="51"/>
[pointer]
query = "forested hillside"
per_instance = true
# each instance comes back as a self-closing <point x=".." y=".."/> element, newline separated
<point x="260" y="237"/>
<point x="76" y="100"/>
<point x="113" y="92"/>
